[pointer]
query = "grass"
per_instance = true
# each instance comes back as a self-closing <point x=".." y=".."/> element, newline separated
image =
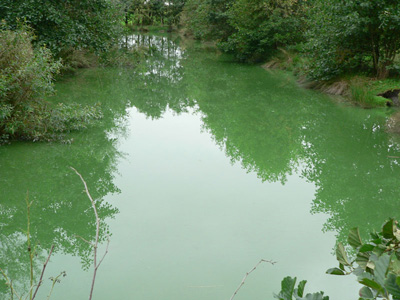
<point x="365" y="92"/>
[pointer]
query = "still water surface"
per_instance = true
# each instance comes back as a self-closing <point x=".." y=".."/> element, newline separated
<point x="201" y="167"/>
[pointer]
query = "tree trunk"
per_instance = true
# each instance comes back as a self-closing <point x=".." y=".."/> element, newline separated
<point x="382" y="71"/>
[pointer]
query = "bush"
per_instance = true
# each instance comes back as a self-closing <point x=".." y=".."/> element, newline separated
<point x="26" y="78"/>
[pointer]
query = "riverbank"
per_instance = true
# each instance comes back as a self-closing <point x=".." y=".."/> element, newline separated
<point x="362" y="90"/>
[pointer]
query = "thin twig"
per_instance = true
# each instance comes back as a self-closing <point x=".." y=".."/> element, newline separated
<point x="85" y="240"/>
<point x="105" y="252"/>
<point x="393" y="156"/>
<point x="95" y="246"/>
<point x="41" y="275"/>
<point x="248" y="273"/>
<point x="55" y="280"/>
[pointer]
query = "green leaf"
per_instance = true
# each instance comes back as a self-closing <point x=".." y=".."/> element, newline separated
<point x="387" y="229"/>
<point x="354" y="238"/>
<point x="366" y="293"/>
<point x="300" y="288"/>
<point x="395" y="265"/>
<point x="341" y="255"/>
<point x="362" y="260"/>
<point x="335" y="271"/>
<point x="287" y="286"/>
<point x="372" y="284"/>
<point x="366" y="248"/>
<point x="381" y="268"/>
<point x="392" y="285"/>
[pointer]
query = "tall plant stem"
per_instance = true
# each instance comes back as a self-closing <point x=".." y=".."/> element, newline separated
<point x="95" y="245"/>
<point x="28" y="238"/>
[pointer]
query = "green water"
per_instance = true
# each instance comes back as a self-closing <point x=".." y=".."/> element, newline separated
<point x="201" y="167"/>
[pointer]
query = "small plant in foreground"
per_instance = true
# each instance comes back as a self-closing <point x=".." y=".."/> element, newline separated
<point x="289" y="292"/>
<point x="376" y="264"/>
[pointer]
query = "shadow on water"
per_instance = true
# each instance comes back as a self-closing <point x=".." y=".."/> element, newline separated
<point x="260" y="120"/>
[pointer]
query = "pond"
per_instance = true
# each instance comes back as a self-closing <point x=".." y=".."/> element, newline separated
<point x="200" y="168"/>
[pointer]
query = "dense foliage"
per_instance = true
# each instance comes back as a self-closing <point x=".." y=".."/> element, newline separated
<point x="62" y="25"/>
<point x="349" y="36"/>
<point x="26" y="76"/>
<point x="207" y="19"/>
<point x="153" y="12"/>
<point x="337" y="37"/>
<point x="377" y="262"/>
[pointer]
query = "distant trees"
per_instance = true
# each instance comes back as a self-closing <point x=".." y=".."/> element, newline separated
<point x="261" y="26"/>
<point x="207" y="19"/>
<point x="337" y="36"/>
<point x="154" y="12"/>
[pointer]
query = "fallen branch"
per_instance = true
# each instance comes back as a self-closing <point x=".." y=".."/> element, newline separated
<point x="248" y="273"/>
<point x="95" y="245"/>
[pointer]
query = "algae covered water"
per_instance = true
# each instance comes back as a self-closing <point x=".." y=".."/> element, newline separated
<point x="200" y="168"/>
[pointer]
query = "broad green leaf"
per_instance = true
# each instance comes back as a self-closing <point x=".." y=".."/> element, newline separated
<point x="300" y="288"/>
<point x="366" y="248"/>
<point x="372" y="284"/>
<point x="362" y="260"/>
<point x="381" y="268"/>
<point x="387" y="229"/>
<point x="395" y="265"/>
<point x="335" y="271"/>
<point x="341" y="255"/>
<point x="341" y="267"/>
<point x="374" y="235"/>
<point x="366" y="293"/>
<point x="392" y="286"/>
<point x="287" y="286"/>
<point x="354" y="238"/>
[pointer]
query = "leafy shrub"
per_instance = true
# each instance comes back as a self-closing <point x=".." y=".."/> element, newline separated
<point x="26" y="76"/>
<point x="289" y="292"/>
<point x="377" y="262"/>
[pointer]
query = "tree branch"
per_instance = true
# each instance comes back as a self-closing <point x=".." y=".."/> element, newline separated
<point x="248" y="273"/>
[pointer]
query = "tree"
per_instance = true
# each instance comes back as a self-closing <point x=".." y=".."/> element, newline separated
<point x="60" y="25"/>
<point x="262" y="26"/>
<point x="350" y="35"/>
<point x="207" y="19"/>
